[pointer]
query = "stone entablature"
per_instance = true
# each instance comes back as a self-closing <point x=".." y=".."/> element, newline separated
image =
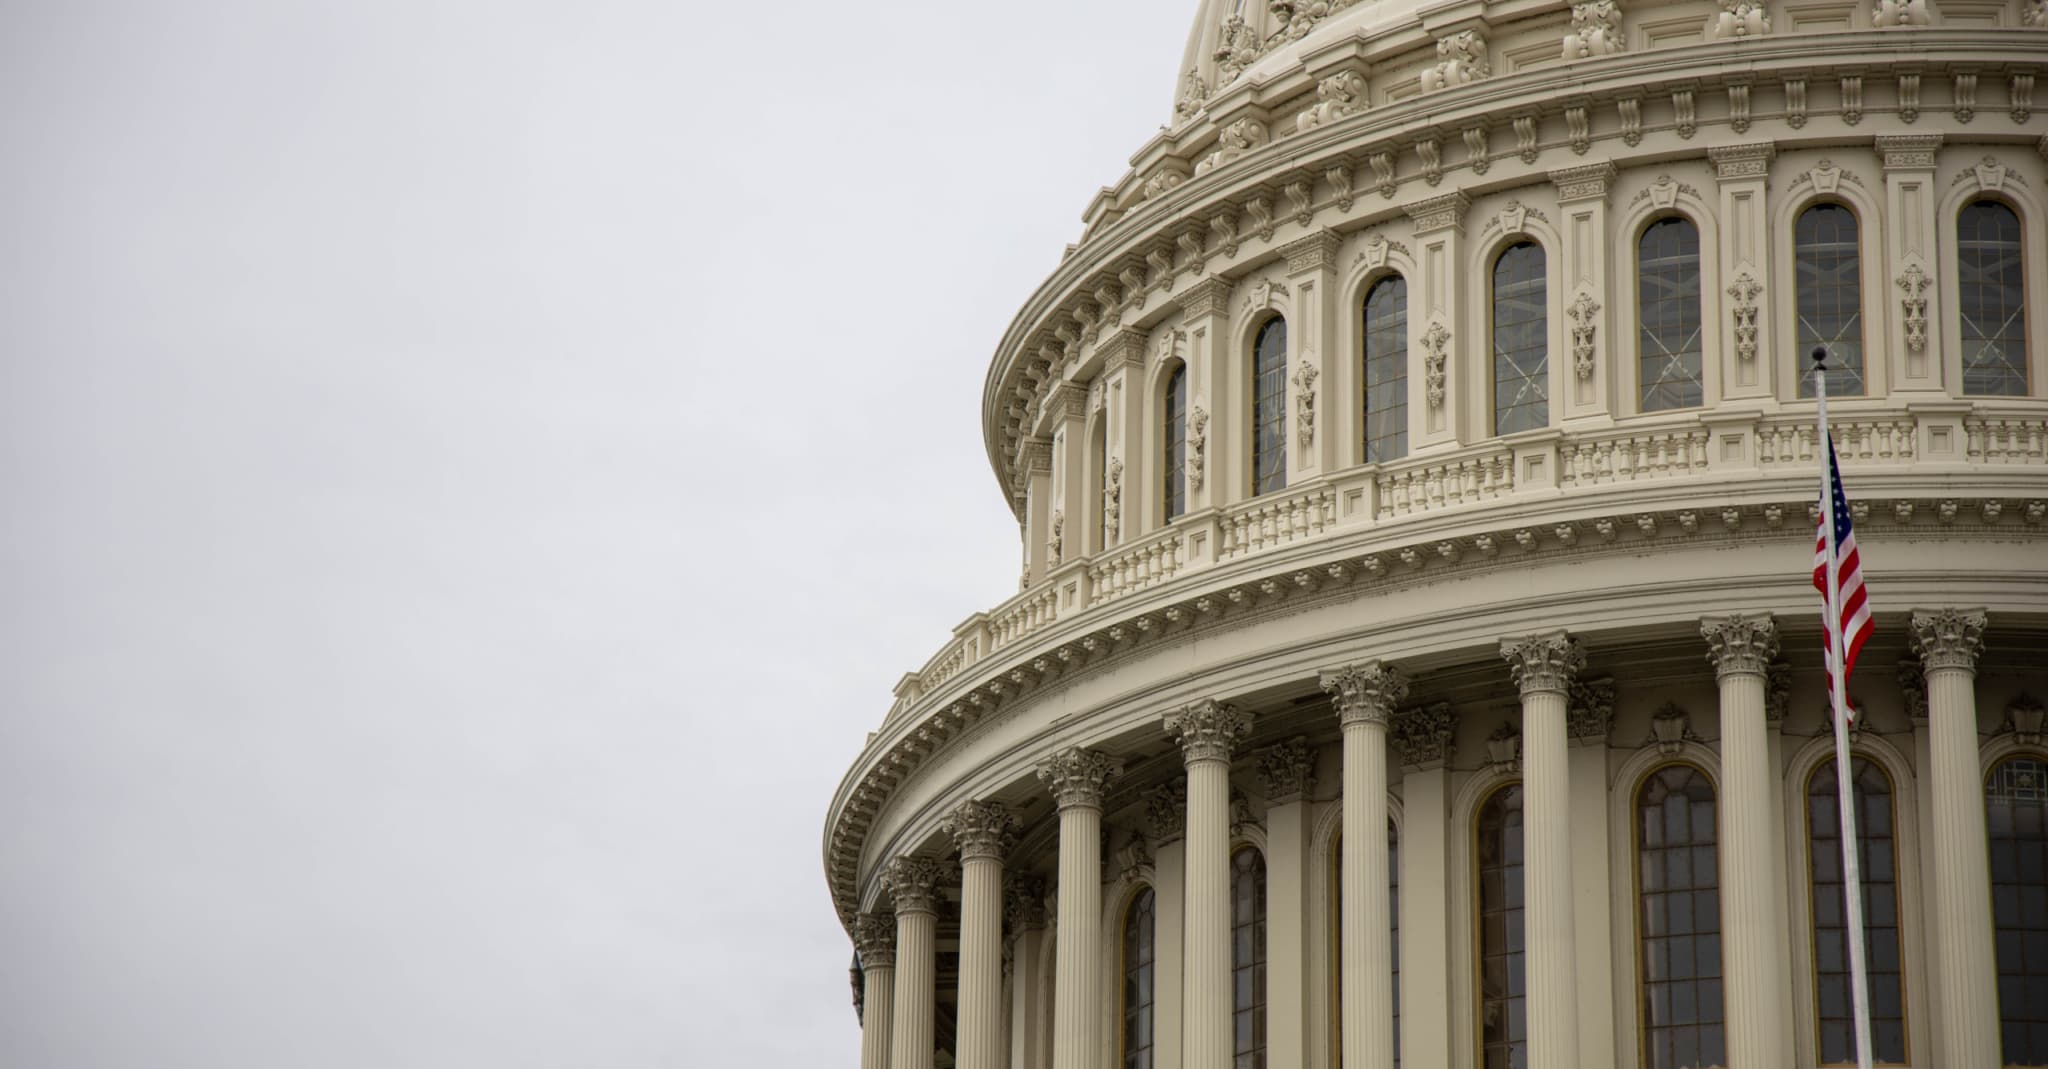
<point x="1365" y="173"/>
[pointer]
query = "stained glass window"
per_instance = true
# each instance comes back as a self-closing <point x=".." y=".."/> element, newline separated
<point x="1521" y="346"/>
<point x="1679" y="920"/>
<point x="1503" y="994"/>
<point x="1991" y="300"/>
<point x="1269" y="408"/>
<point x="1668" y="348"/>
<point x="1829" y="283"/>
<point x="1386" y="370"/>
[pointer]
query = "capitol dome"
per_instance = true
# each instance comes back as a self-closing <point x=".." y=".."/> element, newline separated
<point x="1418" y="440"/>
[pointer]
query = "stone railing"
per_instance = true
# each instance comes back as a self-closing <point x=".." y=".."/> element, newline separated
<point x="1394" y="495"/>
<point x="1621" y="458"/>
<point x="1128" y="569"/>
<point x="1266" y="522"/>
<point x="1409" y="487"/>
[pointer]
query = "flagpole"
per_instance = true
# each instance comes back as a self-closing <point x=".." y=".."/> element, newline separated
<point x="1845" y="789"/>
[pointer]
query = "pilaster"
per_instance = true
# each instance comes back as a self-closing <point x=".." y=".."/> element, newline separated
<point x="1024" y="914"/>
<point x="1424" y="737"/>
<point x="1435" y="296"/>
<point x="1913" y="357"/>
<point x="1165" y="810"/>
<point x="1743" y="172"/>
<point x="1134" y="467"/>
<point x="1286" y="774"/>
<point x="1316" y="374"/>
<point x="1067" y="541"/>
<point x="1212" y="365"/>
<point x="1034" y="458"/>
<point x="1589" y="716"/>
<point x="1582" y="202"/>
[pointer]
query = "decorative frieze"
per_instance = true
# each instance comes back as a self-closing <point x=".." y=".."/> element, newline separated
<point x="1205" y="298"/>
<point x="1908" y="152"/>
<point x="1461" y="58"/>
<point x="1168" y="177"/>
<point x="1198" y="441"/>
<point x="1914" y="282"/>
<point x="1948" y="638"/>
<point x="1425" y="735"/>
<point x="1739" y="20"/>
<point x="1208" y="730"/>
<point x="1304" y="380"/>
<point x="1595" y="32"/>
<point x="1241" y="137"/>
<point x="1365" y="692"/>
<point x="1740" y="645"/>
<point x="1584" y="312"/>
<point x="1076" y="776"/>
<point x="1744" y="291"/>
<point x="913" y="883"/>
<point x="1583" y="183"/>
<point x="1311" y="253"/>
<point x="1438" y="213"/>
<point x="1540" y="663"/>
<point x="980" y="829"/>
<point x="1740" y="162"/>
<point x="1435" y="341"/>
<point x="1899" y="13"/>
<point x="1287" y="772"/>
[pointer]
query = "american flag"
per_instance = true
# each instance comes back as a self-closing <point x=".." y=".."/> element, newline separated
<point x="1852" y="616"/>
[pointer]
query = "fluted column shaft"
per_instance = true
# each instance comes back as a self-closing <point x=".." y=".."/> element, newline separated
<point x="876" y="935"/>
<point x="1948" y="642"/>
<point x="1076" y="778"/>
<point x="1365" y="697"/>
<point x="1208" y="732"/>
<point x="913" y="883"/>
<point x="1752" y="947"/>
<point x="981" y="831"/>
<point x="1543" y="667"/>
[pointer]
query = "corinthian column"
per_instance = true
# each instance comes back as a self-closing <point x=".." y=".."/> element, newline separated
<point x="1948" y="642"/>
<point x="875" y="935"/>
<point x="1208" y="732"/>
<point x="1752" y="947"/>
<point x="980" y="830"/>
<point x="1076" y="777"/>
<point x="913" y="884"/>
<point x="1543" y="667"/>
<point x="1365" y="696"/>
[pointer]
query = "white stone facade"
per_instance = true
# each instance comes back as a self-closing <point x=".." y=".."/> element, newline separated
<point x="1575" y="608"/>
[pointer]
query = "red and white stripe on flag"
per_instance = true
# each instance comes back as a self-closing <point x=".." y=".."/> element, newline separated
<point x="1852" y="616"/>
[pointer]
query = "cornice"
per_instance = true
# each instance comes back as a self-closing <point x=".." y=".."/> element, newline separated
<point x="1292" y="171"/>
<point x="1251" y="591"/>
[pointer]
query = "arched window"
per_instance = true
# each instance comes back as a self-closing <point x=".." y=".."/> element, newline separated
<point x="1176" y="459"/>
<point x="1503" y="1009"/>
<point x="1829" y="283"/>
<point x="1137" y="1037"/>
<point x="1269" y="408"/>
<point x="1386" y="370"/>
<point x="1521" y="344"/>
<point x="1668" y="348"/>
<point x="1337" y="936"/>
<point x="1679" y="924"/>
<point x="1880" y="915"/>
<point x="1248" y="958"/>
<point x="2016" y="818"/>
<point x="1991" y="300"/>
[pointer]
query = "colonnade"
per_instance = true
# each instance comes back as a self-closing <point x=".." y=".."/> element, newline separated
<point x="899" y="957"/>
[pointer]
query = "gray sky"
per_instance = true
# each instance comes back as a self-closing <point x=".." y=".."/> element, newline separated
<point x="470" y="475"/>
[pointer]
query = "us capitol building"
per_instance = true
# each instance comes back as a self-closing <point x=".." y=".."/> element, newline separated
<point x="1415" y="660"/>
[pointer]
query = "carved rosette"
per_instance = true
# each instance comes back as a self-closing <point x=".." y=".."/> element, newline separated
<point x="1208" y="730"/>
<point x="1287" y="772"/>
<point x="1949" y="638"/>
<point x="1023" y="902"/>
<point x="1165" y="811"/>
<point x="1589" y="714"/>
<point x="981" y="829"/>
<point x="1076" y="776"/>
<point x="1543" y="663"/>
<point x="874" y="936"/>
<point x="1365" y="693"/>
<point x="913" y="883"/>
<point x="1424" y="735"/>
<point x="1740" y="645"/>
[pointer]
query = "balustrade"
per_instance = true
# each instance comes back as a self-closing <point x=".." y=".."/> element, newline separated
<point x="1126" y="570"/>
<point x="2007" y="440"/>
<point x="1421" y="487"/>
<point x="1264" y="523"/>
<point x="1633" y="457"/>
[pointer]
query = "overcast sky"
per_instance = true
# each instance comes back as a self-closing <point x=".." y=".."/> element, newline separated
<point x="470" y="473"/>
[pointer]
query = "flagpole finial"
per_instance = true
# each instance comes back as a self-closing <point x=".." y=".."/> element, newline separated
<point x="1820" y="357"/>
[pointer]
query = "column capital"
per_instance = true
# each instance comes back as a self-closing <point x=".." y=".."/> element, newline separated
<point x="1589" y="712"/>
<point x="980" y="829"/>
<point x="1740" y="645"/>
<point x="1024" y="901"/>
<point x="1287" y="772"/>
<point x="1067" y="401"/>
<point x="1312" y="253"/>
<point x="1365" y="693"/>
<point x="1443" y="212"/>
<point x="1543" y="663"/>
<point x="1076" y="776"/>
<point x="1424" y="735"/>
<point x="1165" y="811"/>
<point x="1738" y="162"/>
<point x="1908" y="152"/>
<point x="1949" y="638"/>
<point x="913" y="883"/>
<point x="1208" y="730"/>
<point x="1211" y="296"/>
<point x="874" y="935"/>
<point x="1912" y="680"/>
